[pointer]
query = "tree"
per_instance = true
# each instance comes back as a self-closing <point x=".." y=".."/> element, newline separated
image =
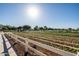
<point x="19" y="28"/>
<point x="13" y="28"/>
<point x="70" y="29"/>
<point x="77" y="29"/>
<point x="26" y="27"/>
<point x="50" y="28"/>
<point x="45" y="28"/>
<point x="41" y="28"/>
<point x="36" y="28"/>
<point x="3" y="28"/>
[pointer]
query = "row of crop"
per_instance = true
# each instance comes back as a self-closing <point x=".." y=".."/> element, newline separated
<point x="60" y="42"/>
<point x="61" y="38"/>
<point x="56" y="45"/>
<point x="54" y="40"/>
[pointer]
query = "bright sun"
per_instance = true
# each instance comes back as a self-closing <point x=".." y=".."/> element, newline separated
<point x="33" y="12"/>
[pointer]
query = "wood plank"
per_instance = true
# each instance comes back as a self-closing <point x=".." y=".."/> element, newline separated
<point x="9" y="47"/>
<point x="1" y="46"/>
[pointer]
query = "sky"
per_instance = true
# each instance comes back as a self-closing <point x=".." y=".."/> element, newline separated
<point x="51" y="15"/>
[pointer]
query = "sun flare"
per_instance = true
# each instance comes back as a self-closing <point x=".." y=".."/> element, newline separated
<point x="33" y="12"/>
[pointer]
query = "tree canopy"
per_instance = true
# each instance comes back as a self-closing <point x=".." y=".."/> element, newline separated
<point x="36" y="28"/>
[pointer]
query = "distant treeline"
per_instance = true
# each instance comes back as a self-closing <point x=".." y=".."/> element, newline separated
<point x="36" y="28"/>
